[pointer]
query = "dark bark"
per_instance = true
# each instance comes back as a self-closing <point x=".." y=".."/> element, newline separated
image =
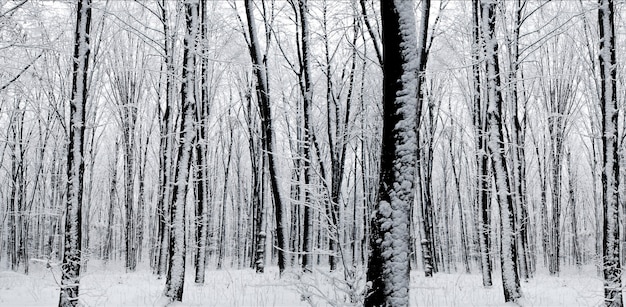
<point x="202" y="114"/>
<point x="166" y="158"/>
<point x="497" y="149"/>
<point x="108" y="247"/>
<point x="610" y="170"/>
<point x="177" y="245"/>
<point x="263" y="95"/>
<point x="483" y="195"/>
<point x="70" y="267"/>
<point x="388" y="264"/>
<point x="517" y="135"/>
<point x="307" y="95"/>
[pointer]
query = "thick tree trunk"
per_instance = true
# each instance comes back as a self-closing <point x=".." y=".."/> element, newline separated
<point x="177" y="246"/>
<point x="70" y="267"/>
<point x="610" y="169"/>
<point x="388" y="266"/>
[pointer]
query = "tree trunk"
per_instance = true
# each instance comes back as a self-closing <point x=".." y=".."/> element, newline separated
<point x="483" y="196"/>
<point x="70" y="267"/>
<point x="263" y="94"/>
<point x="388" y="265"/>
<point x="202" y="114"/>
<point x="508" y="252"/>
<point x="177" y="246"/>
<point x="166" y="157"/>
<point x="108" y="247"/>
<point x="610" y="169"/>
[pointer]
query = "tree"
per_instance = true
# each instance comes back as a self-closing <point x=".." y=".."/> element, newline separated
<point x="306" y="89"/>
<point x="70" y="268"/>
<point x="388" y="264"/>
<point x="201" y="218"/>
<point x="166" y="144"/>
<point x="267" y="133"/>
<point x="177" y="245"/>
<point x="497" y="149"/>
<point x="610" y="170"/>
<point x="425" y="144"/>
<point x="483" y="196"/>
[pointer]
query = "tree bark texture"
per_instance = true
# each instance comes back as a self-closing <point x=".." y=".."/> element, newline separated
<point x="610" y="171"/>
<point x="388" y="264"/>
<point x="72" y="260"/>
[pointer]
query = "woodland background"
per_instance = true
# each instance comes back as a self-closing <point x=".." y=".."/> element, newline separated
<point x="326" y="129"/>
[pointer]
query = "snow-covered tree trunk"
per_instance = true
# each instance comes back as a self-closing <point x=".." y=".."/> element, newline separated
<point x="424" y="165"/>
<point x="306" y="88"/>
<point x="508" y="252"/>
<point x="166" y="143"/>
<point x="517" y="135"/>
<point x="201" y="218"/>
<point x="610" y="170"/>
<point x="70" y="267"/>
<point x="263" y="94"/>
<point x="483" y="196"/>
<point x="388" y="265"/>
<point x="177" y="246"/>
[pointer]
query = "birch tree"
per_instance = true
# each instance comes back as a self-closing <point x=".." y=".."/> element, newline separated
<point x="70" y="267"/>
<point x="388" y="265"/>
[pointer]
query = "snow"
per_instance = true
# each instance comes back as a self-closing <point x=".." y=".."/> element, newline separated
<point x="111" y="286"/>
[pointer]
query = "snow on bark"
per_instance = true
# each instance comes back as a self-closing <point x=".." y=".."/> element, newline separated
<point x="610" y="171"/>
<point x="260" y="72"/>
<point x="176" y="271"/>
<point x="497" y="149"/>
<point x="70" y="268"/>
<point x="388" y="267"/>
<point x="483" y="196"/>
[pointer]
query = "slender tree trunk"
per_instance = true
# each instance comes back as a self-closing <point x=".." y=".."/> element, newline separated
<point x="263" y="94"/>
<point x="457" y="185"/>
<point x="517" y="135"/>
<point x="108" y="249"/>
<point x="166" y="157"/>
<point x="70" y="267"/>
<point x="202" y="114"/>
<point x="572" y="204"/>
<point x="508" y="252"/>
<point x="483" y="198"/>
<point x="257" y="165"/>
<point x="307" y="94"/>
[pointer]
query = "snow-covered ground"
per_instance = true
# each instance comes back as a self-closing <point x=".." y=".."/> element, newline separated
<point x="111" y="286"/>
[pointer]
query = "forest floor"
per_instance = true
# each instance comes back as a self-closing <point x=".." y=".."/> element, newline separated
<point x="111" y="286"/>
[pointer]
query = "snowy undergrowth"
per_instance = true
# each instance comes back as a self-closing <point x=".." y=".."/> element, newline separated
<point x="324" y="288"/>
<point x="111" y="286"/>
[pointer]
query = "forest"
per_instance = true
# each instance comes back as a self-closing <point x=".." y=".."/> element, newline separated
<point x="348" y="152"/>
